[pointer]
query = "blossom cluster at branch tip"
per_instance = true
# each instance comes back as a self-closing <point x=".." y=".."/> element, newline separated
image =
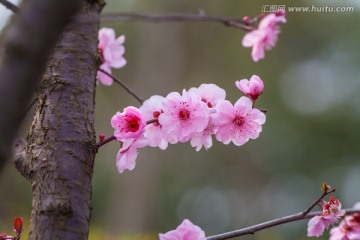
<point x="195" y="115"/>
<point x="265" y="36"/>
<point x="331" y="213"/>
<point x="185" y="231"/>
<point x="111" y="50"/>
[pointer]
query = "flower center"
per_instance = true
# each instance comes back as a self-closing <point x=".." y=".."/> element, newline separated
<point x="133" y="125"/>
<point x="238" y="121"/>
<point x="184" y="114"/>
<point x="333" y="209"/>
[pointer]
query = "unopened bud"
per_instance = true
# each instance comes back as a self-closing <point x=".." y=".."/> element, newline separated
<point x="101" y="137"/>
<point x="246" y="19"/>
<point x="325" y="188"/>
<point x="18" y="225"/>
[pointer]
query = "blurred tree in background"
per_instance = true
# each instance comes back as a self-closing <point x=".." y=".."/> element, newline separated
<point x="311" y="135"/>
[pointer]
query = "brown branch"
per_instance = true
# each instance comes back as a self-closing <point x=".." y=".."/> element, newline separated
<point x="127" y="88"/>
<point x="271" y="223"/>
<point x="10" y="6"/>
<point x="291" y="218"/>
<point x="19" y="156"/>
<point x="105" y="141"/>
<point x="27" y="45"/>
<point x="178" y="17"/>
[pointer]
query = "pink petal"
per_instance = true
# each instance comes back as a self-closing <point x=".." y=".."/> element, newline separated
<point x="118" y="63"/>
<point x="106" y="36"/>
<point x="251" y="38"/>
<point x="316" y="226"/>
<point x="102" y="77"/>
<point x="243" y="85"/>
<point x="120" y="40"/>
<point x="258" y="51"/>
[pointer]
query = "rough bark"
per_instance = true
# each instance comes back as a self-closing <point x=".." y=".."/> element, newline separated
<point x="62" y="136"/>
<point x="19" y="157"/>
<point x="26" y="47"/>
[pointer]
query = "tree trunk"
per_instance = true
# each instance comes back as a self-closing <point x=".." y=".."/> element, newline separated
<point x="27" y="44"/>
<point x="62" y="135"/>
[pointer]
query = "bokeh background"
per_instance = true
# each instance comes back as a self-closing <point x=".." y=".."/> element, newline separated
<point x="312" y="83"/>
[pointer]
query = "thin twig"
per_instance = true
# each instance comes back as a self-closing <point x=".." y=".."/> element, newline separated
<point x="10" y="6"/>
<point x="317" y="201"/>
<point x="124" y="86"/>
<point x="105" y="141"/>
<point x="271" y="223"/>
<point x="291" y="218"/>
<point x="178" y="17"/>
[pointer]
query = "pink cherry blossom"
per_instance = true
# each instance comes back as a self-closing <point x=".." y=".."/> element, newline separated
<point x="332" y="209"/>
<point x="265" y="37"/>
<point x="151" y="109"/>
<point x="185" y="231"/>
<point x="211" y="94"/>
<point x="331" y="212"/>
<point x="128" y="124"/>
<point x="204" y="138"/>
<point x="183" y="115"/>
<point x="128" y="153"/>
<point x="112" y="51"/>
<point x="348" y="229"/>
<point x="238" y="123"/>
<point x="253" y="88"/>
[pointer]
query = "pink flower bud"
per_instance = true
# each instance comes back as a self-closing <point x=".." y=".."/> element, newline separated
<point x="101" y="137"/>
<point x="253" y="88"/>
<point x="246" y="19"/>
<point x="18" y="224"/>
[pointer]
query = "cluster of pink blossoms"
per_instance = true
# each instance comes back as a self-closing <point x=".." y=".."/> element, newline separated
<point x="331" y="212"/>
<point x="265" y="37"/>
<point x="348" y="229"/>
<point x="195" y="115"/>
<point x="111" y="50"/>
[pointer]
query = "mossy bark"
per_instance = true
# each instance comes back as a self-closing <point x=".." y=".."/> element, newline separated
<point x="61" y="139"/>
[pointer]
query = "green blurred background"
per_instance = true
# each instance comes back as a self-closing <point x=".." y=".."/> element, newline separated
<point x="312" y="80"/>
